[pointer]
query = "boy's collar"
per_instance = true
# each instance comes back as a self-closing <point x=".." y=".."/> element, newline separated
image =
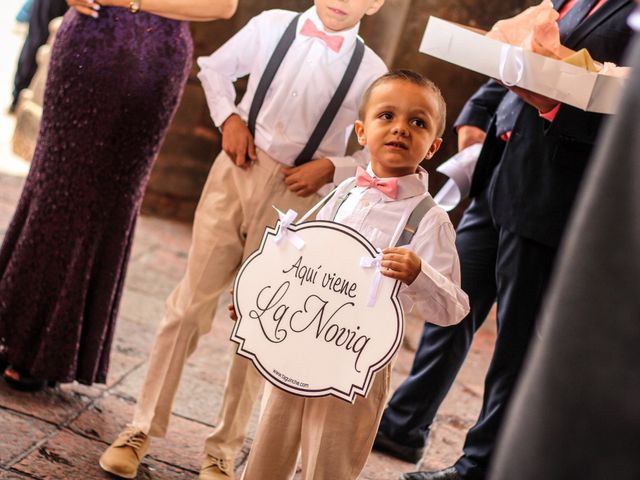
<point x="408" y="185"/>
<point x="349" y="36"/>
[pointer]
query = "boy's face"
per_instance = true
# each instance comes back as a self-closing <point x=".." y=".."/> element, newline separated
<point x="399" y="127"/>
<point x="338" y="15"/>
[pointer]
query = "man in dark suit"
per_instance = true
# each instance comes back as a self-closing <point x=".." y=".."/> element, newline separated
<point x="530" y="182"/>
<point x="42" y="12"/>
<point x="576" y="410"/>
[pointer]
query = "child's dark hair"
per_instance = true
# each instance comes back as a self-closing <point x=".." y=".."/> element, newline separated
<point x="412" y="77"/>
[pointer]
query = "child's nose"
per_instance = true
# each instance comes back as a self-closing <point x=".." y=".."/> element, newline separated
<point x="399" y="128"/>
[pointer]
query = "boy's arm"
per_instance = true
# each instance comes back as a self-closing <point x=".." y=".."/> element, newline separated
<point x="307" y="179"/>
<point x="481" y="106"/>
<point x="476" y="115"/>
<point x="219" y="70"/>
<point x="310" y="177"/>
<point x="435" y="293"/>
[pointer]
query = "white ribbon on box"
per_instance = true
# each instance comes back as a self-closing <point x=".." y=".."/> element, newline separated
<point x="511" y="65"/>
<point x="549" y="77"/>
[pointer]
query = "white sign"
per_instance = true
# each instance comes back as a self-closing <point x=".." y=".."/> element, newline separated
<point x="304" y="316"/>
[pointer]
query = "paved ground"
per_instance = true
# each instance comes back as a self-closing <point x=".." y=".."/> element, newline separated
<point x="60" y="433"/>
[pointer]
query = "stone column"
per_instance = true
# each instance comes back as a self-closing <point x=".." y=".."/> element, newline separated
<point x="29" y="111"/>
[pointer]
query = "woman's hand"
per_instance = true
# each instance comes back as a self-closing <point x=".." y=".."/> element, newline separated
<point x="85" y="7"/>
<point x="115" y="3"/>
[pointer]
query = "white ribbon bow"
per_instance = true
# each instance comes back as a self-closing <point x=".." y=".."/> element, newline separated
<point x="511" y="65"/>
<point x="286" y="219"/>
<point x="370" y="262"/>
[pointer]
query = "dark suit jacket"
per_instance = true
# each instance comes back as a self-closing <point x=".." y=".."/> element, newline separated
<point x="534" y="177"/>
<point x="576" y="414"/>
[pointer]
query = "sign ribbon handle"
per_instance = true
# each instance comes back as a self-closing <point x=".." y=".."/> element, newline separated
<point x="286" y="219"/>
<point x="373" y="262"/>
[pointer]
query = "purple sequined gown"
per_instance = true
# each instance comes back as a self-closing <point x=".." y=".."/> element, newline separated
<point x="113" y="86"/>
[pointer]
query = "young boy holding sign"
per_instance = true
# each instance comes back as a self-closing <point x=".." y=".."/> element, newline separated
<point x="402" y="119"/>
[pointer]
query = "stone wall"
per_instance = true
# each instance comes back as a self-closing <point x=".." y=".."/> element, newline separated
<point x="29" y="111"/>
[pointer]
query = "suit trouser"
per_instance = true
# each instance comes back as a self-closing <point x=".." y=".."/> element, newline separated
<point x="523" y="272"/>
<point x="333" y="436"/>
<point x="233" y="211"/>
<point x="442" y="350"/>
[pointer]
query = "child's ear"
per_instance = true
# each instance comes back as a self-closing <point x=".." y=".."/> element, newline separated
<point x="359" y="128"/>
<point x="435" y="146"/>
<point x="374" y="7"/>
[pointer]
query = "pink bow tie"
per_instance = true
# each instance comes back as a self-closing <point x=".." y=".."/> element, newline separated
<point x="388" y="186"/>
<point x="334" y="42"/>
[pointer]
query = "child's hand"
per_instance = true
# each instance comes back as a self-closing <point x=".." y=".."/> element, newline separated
<point x="232" y="312"/>
<point x="237" y="141"/>
<point x="401" y="264"/>
<point x="232" y="308"/>
<point x="308" y="178"/>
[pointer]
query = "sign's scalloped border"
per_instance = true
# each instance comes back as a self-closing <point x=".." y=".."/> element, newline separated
<point x="355" y="389"/>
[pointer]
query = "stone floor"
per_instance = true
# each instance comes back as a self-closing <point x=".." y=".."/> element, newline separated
<point x="60" y="433"/>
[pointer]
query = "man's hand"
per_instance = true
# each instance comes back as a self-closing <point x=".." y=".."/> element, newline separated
<point x="469" y="135"/>
<point x="308" y="178"/>
<point x="237" y="141"/>
<point x="542" y="103"/>
<point x="401" y="264"/>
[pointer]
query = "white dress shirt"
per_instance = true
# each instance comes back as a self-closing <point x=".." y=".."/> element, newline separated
<point x="435" y="295"/>
<point x="301" y="89"/>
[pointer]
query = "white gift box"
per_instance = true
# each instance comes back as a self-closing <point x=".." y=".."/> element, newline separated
<point x="512" y="65"/>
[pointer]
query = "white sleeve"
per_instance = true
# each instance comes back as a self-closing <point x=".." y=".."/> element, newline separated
<point x="435" y="295"/>
<point x="219" y="70"/>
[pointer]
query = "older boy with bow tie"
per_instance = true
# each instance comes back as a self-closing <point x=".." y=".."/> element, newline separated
<point x="284" y="141"/>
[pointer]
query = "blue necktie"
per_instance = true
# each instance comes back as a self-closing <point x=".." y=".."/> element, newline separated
<point x="574" y="17"/>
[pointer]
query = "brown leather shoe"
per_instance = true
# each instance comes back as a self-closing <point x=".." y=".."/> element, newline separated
<point x="124" y="455"/>
<point x="216" y="469"/>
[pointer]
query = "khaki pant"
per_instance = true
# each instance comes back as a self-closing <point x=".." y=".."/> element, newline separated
<point x="234" y="209"/>
<point x="333" y="436"/>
